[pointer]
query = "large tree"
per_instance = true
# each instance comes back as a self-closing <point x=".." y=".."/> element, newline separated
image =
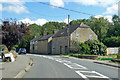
<point x="12" y="32"/>
<point x="100" y="26"/>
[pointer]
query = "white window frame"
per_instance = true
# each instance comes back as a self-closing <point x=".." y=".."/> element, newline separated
<point x="77" y="35"/>
<point x="36" y="42"/>
<point x="90" y="36"/>
<point x="36" y="47"/>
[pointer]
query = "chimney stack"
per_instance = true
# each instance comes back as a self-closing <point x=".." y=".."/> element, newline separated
<point x="55" y="31"/>
<point x="44" y="34"/>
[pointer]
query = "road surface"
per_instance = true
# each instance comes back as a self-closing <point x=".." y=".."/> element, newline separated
<point x="59" y="67"/>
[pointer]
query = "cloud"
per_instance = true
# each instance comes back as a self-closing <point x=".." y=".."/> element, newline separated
<point x="98" y="16"/>
<point x="58" y="3"/>
<point x="103" y="3"/>
<point x="109" y="18"/>
<point x="38" y="21"/>
<point x="0" y="7"/>
<point x="16" y="6"/>
<point x="66" y="21"/>
<point x="112" y="10"/>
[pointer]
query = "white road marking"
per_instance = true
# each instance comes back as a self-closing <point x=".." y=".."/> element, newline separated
<point x="81" y="73"/>
<point x="93" y="74"/>
<point x="74" y="66"/>
<point x="68" y="65"/>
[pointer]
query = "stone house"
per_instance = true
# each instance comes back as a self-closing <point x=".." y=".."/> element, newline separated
<point x="60" y="41"/>
<point x="42" y="44"/>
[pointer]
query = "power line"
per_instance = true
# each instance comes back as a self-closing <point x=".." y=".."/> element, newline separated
<point x="66" y="9"/>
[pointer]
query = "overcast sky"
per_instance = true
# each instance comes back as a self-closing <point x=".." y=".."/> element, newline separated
<point x="35" y="12"/>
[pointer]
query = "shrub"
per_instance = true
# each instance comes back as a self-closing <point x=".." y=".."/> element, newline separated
<point x="84" y="48"/>
<point x="96" y="47"/>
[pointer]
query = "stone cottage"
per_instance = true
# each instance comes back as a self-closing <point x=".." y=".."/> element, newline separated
<point x="42" y="44"/>
<point x="60" y="41"/>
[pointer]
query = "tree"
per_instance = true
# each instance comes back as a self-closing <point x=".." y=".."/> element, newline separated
<point x="112" y="41"/>
<point x="12" y="32"/>
<point x="100" y="26"/>
<point x="50" y="26"/>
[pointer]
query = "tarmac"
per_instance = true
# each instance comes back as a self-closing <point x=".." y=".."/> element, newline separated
<point x="105" y="62"/>
<point x="17" y="68"/>
<point x="23" y="63"/>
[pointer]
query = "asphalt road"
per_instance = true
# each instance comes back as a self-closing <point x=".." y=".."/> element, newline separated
<point x="58" y="67"/>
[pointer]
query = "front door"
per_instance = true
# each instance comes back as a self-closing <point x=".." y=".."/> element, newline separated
<point x="60" y="49"/>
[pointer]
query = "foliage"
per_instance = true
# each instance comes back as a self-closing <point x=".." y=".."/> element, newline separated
<point x="4" y="48"/>
<point x="36" y="30"/>
<point x="112" y="41"/>
<point x="12" y="32"/>
<point x="99" y="26"/>
<point x="96" y="47"/>
<point x="50" y="26"/>
<point x="84" y="48"/>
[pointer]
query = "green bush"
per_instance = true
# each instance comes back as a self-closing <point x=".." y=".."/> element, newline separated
<point x="111" y="41"/>
<point x="83" y="48"/>
<point x="96" y="47"/>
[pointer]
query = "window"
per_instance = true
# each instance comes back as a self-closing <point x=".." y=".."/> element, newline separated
<point x="90" y="36"/>
<point x="33" y="42"/>
<point x="36" y="42"/>
<point x="77" y="35"/>
<point x="36" y="47"/>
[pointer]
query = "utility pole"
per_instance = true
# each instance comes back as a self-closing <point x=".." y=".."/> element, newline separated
<point x="68" y="34"/>
<point x="119" y="10"/>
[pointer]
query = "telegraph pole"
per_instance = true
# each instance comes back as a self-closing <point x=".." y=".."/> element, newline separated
<point x="68" y="34"/>
<point x="119" y="10"/>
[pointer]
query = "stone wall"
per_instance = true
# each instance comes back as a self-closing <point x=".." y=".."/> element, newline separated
<point x="59" y="45"/>
<point x="81" y="35"/>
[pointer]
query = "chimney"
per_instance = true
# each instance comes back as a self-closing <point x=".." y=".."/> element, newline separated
<point x="55" y="31"/>
<point x="44" y="34"/>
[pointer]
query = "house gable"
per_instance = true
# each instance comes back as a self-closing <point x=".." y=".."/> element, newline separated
<point x="64" y="32"/>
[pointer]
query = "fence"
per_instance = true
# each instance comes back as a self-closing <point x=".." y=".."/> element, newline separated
<point x="113" y="50"/>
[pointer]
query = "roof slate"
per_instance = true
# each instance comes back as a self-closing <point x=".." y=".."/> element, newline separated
<point x="64" y="32"/>
<point x="42" y="37"/>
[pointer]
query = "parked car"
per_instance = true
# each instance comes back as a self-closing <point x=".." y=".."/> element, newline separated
<point x="22" y="51"/>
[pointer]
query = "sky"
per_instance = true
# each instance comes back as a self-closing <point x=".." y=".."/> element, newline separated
<point x="32" y="11"/>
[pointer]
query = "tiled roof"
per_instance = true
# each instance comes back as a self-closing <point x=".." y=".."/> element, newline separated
<point x="62" y="32"/>
<point x="72" y="28"/>
<point x="43" y="37"/>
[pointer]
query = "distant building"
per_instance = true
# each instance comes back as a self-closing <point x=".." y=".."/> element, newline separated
<point x="42" y="44"/>
<point x="60" y="42"/>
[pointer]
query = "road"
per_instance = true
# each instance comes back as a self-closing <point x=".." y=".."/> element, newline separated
<point x="59" y="67"/>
